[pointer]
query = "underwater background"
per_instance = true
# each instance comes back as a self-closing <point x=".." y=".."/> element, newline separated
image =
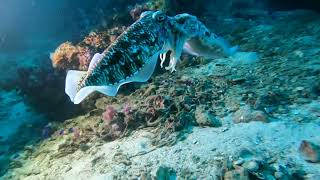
<point x="252" y="115"/>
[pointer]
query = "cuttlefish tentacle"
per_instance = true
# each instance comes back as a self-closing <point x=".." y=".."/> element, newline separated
<point x="172" y="63"/>
<point x="162" y="58"/>
<point x="174" y="58"/>
<point x="176" y="53"/>
<point x="197" y="38"/>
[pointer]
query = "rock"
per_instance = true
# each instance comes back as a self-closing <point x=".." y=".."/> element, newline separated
<point x="29" y="148"/>
<point x="245" y="58"/>
<point x="238" y="81"/>
<point x="310" y="151"/>
<point x="205" y="118"/>
<point x="237" y="174"/>
<point x="165" y="173"/>
<point x="313" y="108"/>
<point x="246" y="114"/>
<point x="251" y="166"/>
<point x="16" y="164"/>
<point x="225" y="129"/>
<point x="184" y="120"/>
<point x="149" y="90"/>
<point x="145" y="176"/>
<point x="101" y="103"/>
<point x="303" y="100"/>
<point x="238" y="162"/>
<point x="316" y="88"/>
<point x="246" y="154"/>
<point x="298" y="53"/>
<point x="68" y="168"/>
<point x="64" y="148"/>
<point x="84" y="147"/>
<point x="299" y="88"/>
<point x="278" y="175"/>
<point x="270" y="99"/>
<point x="187" y="103"/>
<point x="65" y="143"/>
<point x="280" y="172"/>
<point x="176" y="91"/>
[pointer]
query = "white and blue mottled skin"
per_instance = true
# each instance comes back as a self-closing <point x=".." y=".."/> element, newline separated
<point x="133" y="56"/>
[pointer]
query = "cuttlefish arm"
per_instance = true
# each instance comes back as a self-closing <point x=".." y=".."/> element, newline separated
<point x="163" y="57"/>
<point x="175" y="46"/>
<point x="191" y="35"/>
<point x="176" y="54"/>
<point x="205" y="46"/>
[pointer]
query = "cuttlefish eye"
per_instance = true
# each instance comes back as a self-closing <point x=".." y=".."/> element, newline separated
<point x="159" y="16"/>
<point x="181" y="20"/>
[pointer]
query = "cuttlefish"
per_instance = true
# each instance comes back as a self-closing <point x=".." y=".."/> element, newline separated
<point x="133" y="56"/>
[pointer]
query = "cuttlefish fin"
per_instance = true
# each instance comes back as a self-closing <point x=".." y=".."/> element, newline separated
<point x="94" y="61"/>
<point x="73" y="80"/>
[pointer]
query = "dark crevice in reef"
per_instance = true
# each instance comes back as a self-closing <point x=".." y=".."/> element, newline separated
<point x="181" y="6"/>
<point x="294" y="4"/>
<point x="27" y="135"/>
<point x="42" y="87"/>
<point x="46" y="93"/>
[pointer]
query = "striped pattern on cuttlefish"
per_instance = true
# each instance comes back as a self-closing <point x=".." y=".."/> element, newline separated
<point x="134" y="54"/>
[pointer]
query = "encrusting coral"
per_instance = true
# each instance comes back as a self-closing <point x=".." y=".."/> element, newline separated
<point x="64" y="56"/>
<point x="121" y="122"/>
<point x="78" y="56"/>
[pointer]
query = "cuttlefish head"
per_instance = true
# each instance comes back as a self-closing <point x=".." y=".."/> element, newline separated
<point x="157" y="16"/>
<point x="159" y="24"/>
<point x="199" y="39"/>
<point x="190" y="26"/>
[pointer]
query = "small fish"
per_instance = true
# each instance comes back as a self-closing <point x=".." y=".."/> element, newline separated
<point x="2" y="39"/>
<point x="46" y="132"/>
<point x="2" y="153"/>
<point x="134" y="54"/>
<point x="61" y="132"/>
<point x="70" y="130"/>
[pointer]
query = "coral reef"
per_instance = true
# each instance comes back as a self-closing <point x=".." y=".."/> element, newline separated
<point x="63" y="55"/>
<point x="170" y="6"/>
<point x="223" y="118"/>
<point x="68" y="56"/>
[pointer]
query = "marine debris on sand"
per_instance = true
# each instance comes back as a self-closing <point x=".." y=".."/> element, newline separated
<point x="242" y="117"/>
